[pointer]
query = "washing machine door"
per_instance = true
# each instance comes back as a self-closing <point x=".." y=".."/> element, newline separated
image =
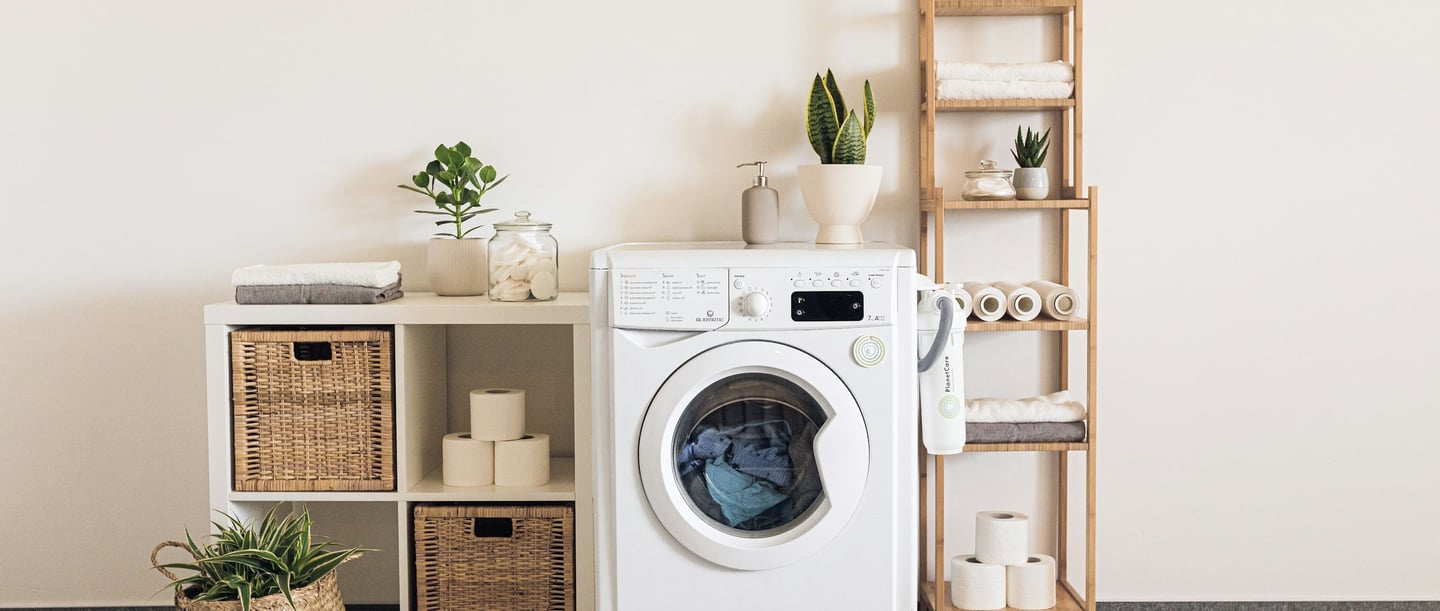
<point x="754" y="455"/>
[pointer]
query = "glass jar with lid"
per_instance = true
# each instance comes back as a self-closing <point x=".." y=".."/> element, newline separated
<point x="987" y="183"/>
<point x="524" y="261"/>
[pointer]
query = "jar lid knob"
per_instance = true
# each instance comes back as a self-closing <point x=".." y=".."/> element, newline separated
<point x="987" y="164"/>
<point x="525" y="216"/>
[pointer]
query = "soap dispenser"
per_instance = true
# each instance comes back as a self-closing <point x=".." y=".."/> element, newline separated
<point x="759" y="210"/>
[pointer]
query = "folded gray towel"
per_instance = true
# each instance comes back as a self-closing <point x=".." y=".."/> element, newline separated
<point x="316" y="293"/>
<point x="1024" y="432"/>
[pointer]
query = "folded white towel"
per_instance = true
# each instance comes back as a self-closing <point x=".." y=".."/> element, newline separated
<point x="375" y="274"/>
<point x="1002" y="90"/>
<point x="1054" y="407"/>
<point x="1056" y="71"/>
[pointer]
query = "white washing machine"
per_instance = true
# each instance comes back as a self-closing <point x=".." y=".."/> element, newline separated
<point x="754" y="427"/>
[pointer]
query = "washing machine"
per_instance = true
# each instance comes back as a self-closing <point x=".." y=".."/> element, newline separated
<point x="754" y="427"/>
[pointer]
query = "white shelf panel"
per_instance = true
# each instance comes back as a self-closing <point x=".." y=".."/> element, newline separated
<point x="560" y="488"/>
<point x="412" y="309"/>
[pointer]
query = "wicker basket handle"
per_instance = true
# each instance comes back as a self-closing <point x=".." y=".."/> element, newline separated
<point x="155" y="554"/>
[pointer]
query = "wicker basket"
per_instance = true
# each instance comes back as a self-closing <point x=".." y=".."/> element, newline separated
<point x="323" y="595"/>
<point x="313" y="410"/>
<point x="494" y="557"/>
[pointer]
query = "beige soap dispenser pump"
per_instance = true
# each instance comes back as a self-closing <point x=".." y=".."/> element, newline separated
<point x="759" y="209"/>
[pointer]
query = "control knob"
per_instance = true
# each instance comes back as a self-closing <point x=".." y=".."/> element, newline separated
<point x="755" y="305"/>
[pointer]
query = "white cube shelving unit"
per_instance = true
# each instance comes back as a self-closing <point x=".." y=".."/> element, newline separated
<point x="443" y="346"/>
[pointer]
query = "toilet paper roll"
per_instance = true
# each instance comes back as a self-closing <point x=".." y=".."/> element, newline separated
<point x="988" y="301"/>
<point x="467" y="461"/>
<point x="523" y="462"/>
<point x="497" y="414"/>
<point x="1031" y="586"/>
<point x="1056" y="300"/>
<point x="962" y="299"/>
<point x="1001" y="537"/>
<point x="1021" y="302"/>
<point x="976" y="586"/>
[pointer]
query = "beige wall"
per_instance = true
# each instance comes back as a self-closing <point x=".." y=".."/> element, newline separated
<point x="1264" y="165"/>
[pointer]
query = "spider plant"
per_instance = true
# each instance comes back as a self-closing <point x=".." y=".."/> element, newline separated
<point x="245" y="562"/>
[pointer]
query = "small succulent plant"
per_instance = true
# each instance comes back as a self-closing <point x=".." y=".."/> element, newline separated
<point x="1030" y="149"/>
<point x="836" y="133"/>
<point x="465" y="180"/>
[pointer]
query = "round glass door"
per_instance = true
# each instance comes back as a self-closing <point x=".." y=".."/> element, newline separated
<point x="753" y="455"/>
<point x="745" y="454"/>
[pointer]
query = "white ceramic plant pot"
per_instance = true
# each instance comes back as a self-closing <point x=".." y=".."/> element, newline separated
<point x="1032" y="183"/>
<point x="839" y="197"/>
<point x="457" y="267"/>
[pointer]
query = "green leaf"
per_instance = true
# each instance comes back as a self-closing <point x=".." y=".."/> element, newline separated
<point x="421" y="180"/>
<point x="869" y="109"/>
<point x="834" y="90"/>
<point x="442" y="154"/>
<point x="444" y="198"/>
<point x="434" y="168"/>
<point x="820" y="122"/>
<point x="462" y="148"/>
<point x="496" y="183"/>
<point x="487" y="174"/>
<point x="850" y="142"/>
<point x="447" y="177"/>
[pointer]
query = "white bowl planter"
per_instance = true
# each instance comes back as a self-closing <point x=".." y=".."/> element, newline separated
<point x="457" y="267"/>
<point x="839" y="198"/>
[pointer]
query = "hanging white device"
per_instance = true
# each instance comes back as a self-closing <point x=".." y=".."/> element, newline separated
<point x="940" y="328"/>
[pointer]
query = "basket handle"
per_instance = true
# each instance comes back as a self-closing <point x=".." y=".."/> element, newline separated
<point x="155" y="554"/>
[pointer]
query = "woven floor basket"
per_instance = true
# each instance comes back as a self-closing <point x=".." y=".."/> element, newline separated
<point x="464" y="560"/>
<point x="323" y="595"/>
<point x="313" y="410"/>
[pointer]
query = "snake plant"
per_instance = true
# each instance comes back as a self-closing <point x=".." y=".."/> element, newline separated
<point x="1030" y="151"/>
<point x="465" y="180"/>
<point x="244" y="562"/>
<point x="836" y="133"/>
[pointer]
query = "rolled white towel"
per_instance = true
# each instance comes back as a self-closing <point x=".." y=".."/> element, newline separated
<point x="1056" y="71"/>
<point x="1054" y="407"/>
<point x="1002" y="90"/>
<point x="373" y="274"/>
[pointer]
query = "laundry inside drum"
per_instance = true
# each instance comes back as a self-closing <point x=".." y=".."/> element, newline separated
<point x="744" y="454"/>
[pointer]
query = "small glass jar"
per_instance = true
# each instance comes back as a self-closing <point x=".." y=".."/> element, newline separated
<point x="987" y="183"/>
<point x="524" y="261"/>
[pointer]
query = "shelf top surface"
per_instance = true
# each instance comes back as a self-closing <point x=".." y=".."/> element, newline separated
<point x="413" y="308"/>
<point x="961" y="8"/>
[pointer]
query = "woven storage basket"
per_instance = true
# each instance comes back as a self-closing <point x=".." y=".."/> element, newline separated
<point x="313" y="410"/>
<point x="465" y="560"/>
<point x="323" y="595"/>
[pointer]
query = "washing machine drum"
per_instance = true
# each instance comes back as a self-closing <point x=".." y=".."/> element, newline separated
<point x="754" y="455"/>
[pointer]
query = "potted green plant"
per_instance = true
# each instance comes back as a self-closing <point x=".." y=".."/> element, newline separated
<point x="274" y="566"/>
<point x="455" y="182"/>
<point x="839" y="191"/>
<point x="1032" y="181"/>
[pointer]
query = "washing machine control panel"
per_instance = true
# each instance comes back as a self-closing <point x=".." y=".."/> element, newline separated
<point x="751" y="298"/>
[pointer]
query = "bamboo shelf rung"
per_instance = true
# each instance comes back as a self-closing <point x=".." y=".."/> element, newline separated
<point x="1039" y="324"/>
<point x="987" y="8"/>
<point x="1014" y="204"/>
<point x="1027" y="447"/>
<point x="944" y="105"/>
<point x="1064" y="599"/>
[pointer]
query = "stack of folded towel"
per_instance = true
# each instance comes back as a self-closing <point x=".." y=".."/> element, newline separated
<point x="331" y="283"/>
<point x="979" y="81"/>
<point x="1052" y="418"/>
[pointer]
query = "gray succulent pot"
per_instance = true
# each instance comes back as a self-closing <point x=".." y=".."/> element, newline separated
<point x="1032" y="183"/>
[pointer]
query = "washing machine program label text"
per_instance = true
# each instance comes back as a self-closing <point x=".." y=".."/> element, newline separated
<point x="671" y="299"/>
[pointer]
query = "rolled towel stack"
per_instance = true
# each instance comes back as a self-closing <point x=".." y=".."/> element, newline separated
<point x="1021" y="302"/>
<point x="997" y="81"/>
<point x="1052" y="418"/>
<point x="327" y="283"/>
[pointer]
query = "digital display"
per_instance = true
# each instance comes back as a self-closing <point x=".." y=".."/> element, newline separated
<point x="827" y="306"/>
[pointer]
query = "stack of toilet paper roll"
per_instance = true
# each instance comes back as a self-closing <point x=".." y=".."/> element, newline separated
<point x="1023" y="302"/>
<point x="497" y="450"/>
<point x="1002" y="572"/>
